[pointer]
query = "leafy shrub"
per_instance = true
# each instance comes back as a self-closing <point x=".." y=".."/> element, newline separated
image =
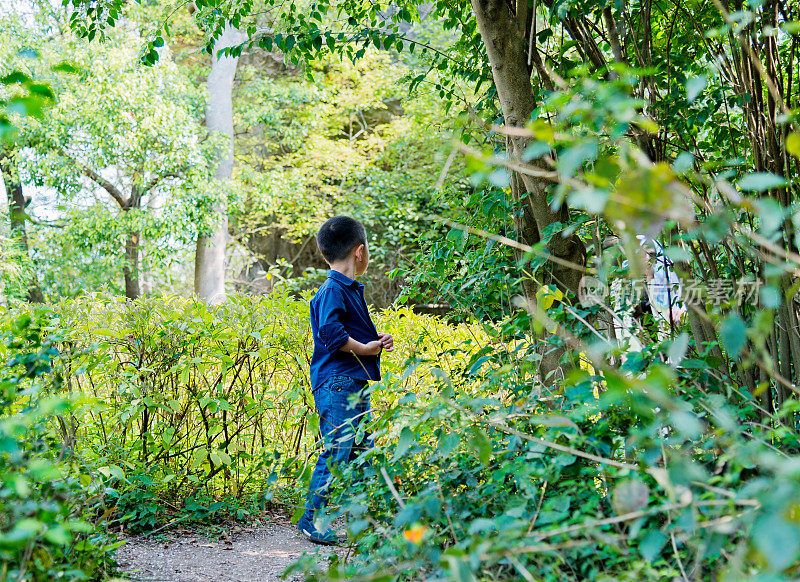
<point x="649" y="472"/>
<point x="48" y="499"/>
<point x="645" y="476"/>
<point x="191" y="401"/>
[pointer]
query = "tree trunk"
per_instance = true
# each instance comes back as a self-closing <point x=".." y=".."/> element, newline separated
<point x="16" y="215"/>
<point x="209" y="264"/>
<point x="131" y="268"/>
<point x="506" y="48"/>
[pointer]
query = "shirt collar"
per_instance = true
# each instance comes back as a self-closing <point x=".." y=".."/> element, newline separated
<point x="343" y="279"/>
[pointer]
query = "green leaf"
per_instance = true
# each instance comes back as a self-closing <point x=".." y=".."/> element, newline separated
<point x="790" y="27"/>
<point x="313" y="424"/>
<point x="694" y="86"/>
<point x="448" y="443"/>
<point x="104" y="332"/>
<point x="687" y="423"/>
<point x="651" y="544"/>
<point x="590" y="199"/>
<point x="43" y="470"/>
<point x="761" y="181"/>
<point x="358" y="526"/>
<point x="198" y="458"/>
<point x="31" y="106"/>
<point x="793" y="144"/>
<point x="403" y="444"/>
<point x="677" y="254"/>
<point x="482" y="446"/>
<point x="112" y="471"/>
<point x="733" y="333"/>
<point x="15" y="77"/>
<point x="224" y="457"/>
<point x="459" y="569"/>
<point x="79" y="526"/>
<point x="20" y="485"/>
<point x="298" y="513"/>
<point x="24" y="529"/>
<point x="777" y="540"/>
<point x="42" y="90"/>
<point x="58" y="535"/>
<point x="677" y="349"/>
<point x="482" y="524"/>
<point x="500" y="178"/>
<point x="770" y="214"/>
<point x="536" y="149"/>
<point x="683" y="163"/>
<point x="770" y="297"/>
<point x="573" y="157"/>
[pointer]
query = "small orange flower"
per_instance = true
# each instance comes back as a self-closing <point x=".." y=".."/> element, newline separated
<point x="415" y="533"/>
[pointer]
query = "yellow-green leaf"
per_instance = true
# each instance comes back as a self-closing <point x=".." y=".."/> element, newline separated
<point x="793" y="144"/>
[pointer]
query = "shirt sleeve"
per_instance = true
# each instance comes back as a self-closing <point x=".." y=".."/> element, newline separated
<point x="331" y="315"/>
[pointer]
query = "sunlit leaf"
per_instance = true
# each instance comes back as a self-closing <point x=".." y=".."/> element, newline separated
<point x="761" y="181"/>
<point x="694" y="86"/>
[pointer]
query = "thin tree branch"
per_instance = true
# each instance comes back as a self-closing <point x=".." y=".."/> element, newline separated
<point x="756" y="62"/>
<point x="511" y="243"/>
<point x="155" y="181"/>
<point x="112" y="190"/>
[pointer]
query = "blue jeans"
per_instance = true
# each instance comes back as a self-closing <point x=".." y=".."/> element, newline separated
<point x="343" y="406"/>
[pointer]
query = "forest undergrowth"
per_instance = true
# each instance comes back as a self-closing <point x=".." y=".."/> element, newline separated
<point x="611" y="228"/>
<point x="646" y="472"/>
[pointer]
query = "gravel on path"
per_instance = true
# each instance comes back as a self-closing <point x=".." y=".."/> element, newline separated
<point x="247" y="554"/>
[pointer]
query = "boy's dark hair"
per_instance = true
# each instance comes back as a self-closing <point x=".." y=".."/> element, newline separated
<point x="340" y="235"/>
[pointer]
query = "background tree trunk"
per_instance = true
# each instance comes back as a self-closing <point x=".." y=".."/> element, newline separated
<point x="16" y="215"/>
<point x="131" y="268"/>
<point x="503" y="35"/>
<point x="209" y="273"/>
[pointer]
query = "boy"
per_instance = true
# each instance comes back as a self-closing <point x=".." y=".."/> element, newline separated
<point x="346" y="356"/>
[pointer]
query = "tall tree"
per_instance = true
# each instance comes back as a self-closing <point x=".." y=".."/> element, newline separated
<point x="504" y="33"/>
<point x="17" y="215"/>
<point x="140" y="142"/>
<point x="209" y="273"/>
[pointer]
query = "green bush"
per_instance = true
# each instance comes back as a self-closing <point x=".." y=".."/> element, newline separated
<point x="49" y="503"/>
<point x="200" y="412"/>
<point x="647" y="476"/>
<point x="191" y="401"/>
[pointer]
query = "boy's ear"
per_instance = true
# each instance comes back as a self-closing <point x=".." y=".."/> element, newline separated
<point x="358" y="252"/>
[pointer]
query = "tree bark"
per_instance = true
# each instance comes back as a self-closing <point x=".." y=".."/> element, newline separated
<point x="16" y="215"/>
<point x="506" y="48"/>
<point x="131" y="268"/>
<point x="209" y="273"/>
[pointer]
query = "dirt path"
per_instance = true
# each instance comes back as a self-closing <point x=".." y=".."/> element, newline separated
<point x="243" y="554"/>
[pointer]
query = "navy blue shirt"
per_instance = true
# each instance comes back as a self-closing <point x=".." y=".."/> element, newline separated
<point x="339" y="311"/>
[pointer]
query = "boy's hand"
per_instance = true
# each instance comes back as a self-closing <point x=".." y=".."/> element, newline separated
<point x="387" y="341"/>
<point x="373" y="348"/>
